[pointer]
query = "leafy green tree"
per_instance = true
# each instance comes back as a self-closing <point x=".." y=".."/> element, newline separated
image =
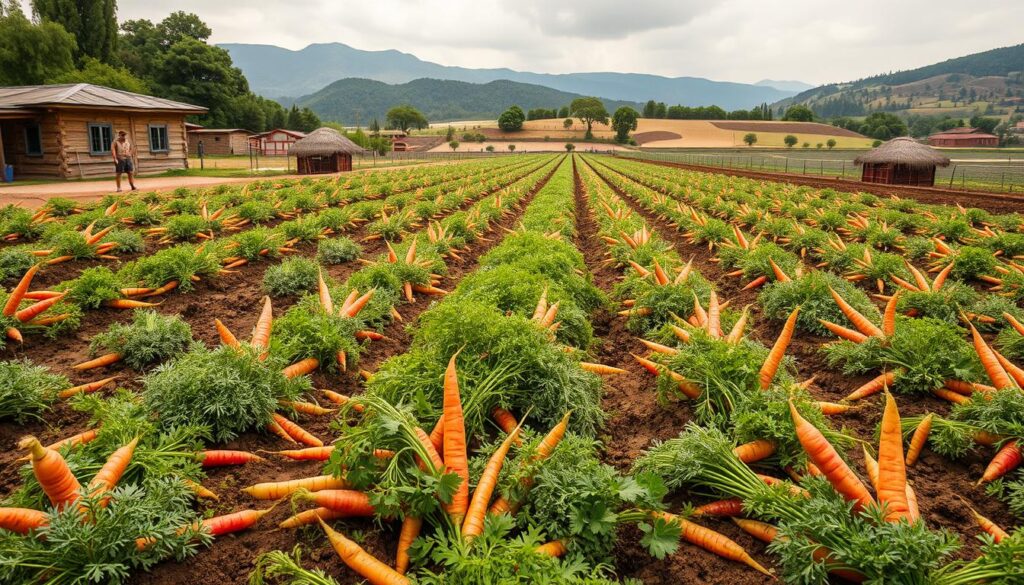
<point x="984" y="124"/>
<point x="750" y="138"/>
<point x="790" y="140"/>
<point x="194" y="72"/>
<point x="93" y="23"/>
<point x="798" y="113"/>
<point x="650" y="109"/>
<point x="454" y="145"/>
<point x="806" y="145"/>
<point x="883" y="126"/>
<point x="97" y="72"/>
<point x="589" y="110"/>
<point x="624" y="121"/>
<point x="512" y="119"/>
<point x="303" y="120"/>
<point x="661" y="111"/>
<point x="179" y="26"/>
<point x="490" y="148"/>
<point x="406" y="117"/>
<point x="563" y="112"/>
<point x="511" y="147"/>
<point x="375" y="128"/>
<point x="567" y="123"/>
<point x="569" y="147"/>
<point x="450" y="134"/>
<point x="830" y="143"/>
<point x="32" y="53"/>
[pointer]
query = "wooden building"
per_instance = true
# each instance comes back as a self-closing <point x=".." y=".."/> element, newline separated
<point x="324" y="150"/>
<point x="218" y="140"/>
<point x="66" y="131"/>
<point x="276" y="142"/>
<point x="963" y="138"/>
<point x="901" y="161"/>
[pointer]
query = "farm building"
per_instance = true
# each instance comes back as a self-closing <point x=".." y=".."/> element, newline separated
<point x="324" y="150"/>
<point x="964" y="138"/>
<point x="901" y="161"/>
<point x="218" y="140"/>
<point x="276" y="142"/>
<point x="66" y="131"/>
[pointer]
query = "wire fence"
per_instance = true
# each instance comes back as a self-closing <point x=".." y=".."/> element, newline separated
<point x="1007" y="177"/>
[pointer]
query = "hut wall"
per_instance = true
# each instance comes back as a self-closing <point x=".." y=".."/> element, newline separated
<point x="891" y="174"/>
<point x="316" y="165"/>
<point x="15" y="148"/>
<point x="220" y="143"/>
<point x="73" y="130"/>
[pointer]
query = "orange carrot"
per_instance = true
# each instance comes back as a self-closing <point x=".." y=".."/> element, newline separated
<point x="307" y="407"/>
<point x="128" y="304"/>
<point x="301" y="368"/>
<point x="200" y="490"/>
<point x="889" y="318"/>
<point x="362" y="562"/>
<point x="307" y="454"/>
<point x="1015" y="372"/>
<point x="843" y="332"/>
<point x="85" y="388"/>
<point x="261" y="333"/>
<point x="833" y="408"/>
<point x="757" y="282"/>
<point x="325" y="294"/>
<point x="766" y="533"/>
<point x="832" y="466"/>
<point x="357" y="305"/>
<point x="60" y="485"/>
<point x="351" y="503"/>
<point x="940" y="278"/>
<point x="280" y="489"/>
<point x="993" y="529"/>
<point x="432" y="454"/>
<point x="411" y="527"/>
<point x="455" y="459"/>
<point x="555" y="548"/>
<point x="1007" y="459"/>
<point x="754" y="450"/>
<point x="296" y="432"/>
<point x="714" y="317"/>
<point x="954" y="397"/>
<point x="1017" y="325"/>
<point x="311" y="516"/>
<point x="601" y="369"/>
<point x="236" y="522"/>
<point x="31" y="311"/>
<point x="544" y="450"/>
<point x="713" y="542"/>
<point x="15" y="335"/>
<point x="102" y="361"/>
<point x="226" y="336"/>
<point x="107" y="477"/>
<point x="774" y="359"/>
<point x="873" y="386"/>
<point x="474" y="523"/>
<point x="919" y="438"/>
<point x="79" y="439"/>
<point x="18" y="293"/>
<point x="731" y="507"/>
<point x="341" y="399"/>
<point x="506" y="421"/>
<point x="224" y="457"/>
<point x="22" y="520"/>
<point x="859" y="321"/>
<point x="275" y="428"/>
<point x="996" y="373"/>
<point x="892" y="472"/>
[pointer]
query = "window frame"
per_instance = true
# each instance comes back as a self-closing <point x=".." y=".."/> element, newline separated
<point x="110" y="132"/>
<point x="39" y="133"/>
<point x="166" y="138"/>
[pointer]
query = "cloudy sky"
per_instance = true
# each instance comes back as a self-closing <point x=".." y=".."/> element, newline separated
<point x="732" y="40"/>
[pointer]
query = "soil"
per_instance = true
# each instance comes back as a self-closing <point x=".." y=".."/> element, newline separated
<point x="789" y="127"/>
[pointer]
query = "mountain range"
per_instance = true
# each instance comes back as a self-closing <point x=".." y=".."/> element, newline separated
<point x="282" y="73"/>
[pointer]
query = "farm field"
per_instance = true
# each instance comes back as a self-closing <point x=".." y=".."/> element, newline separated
<point x="572" y="369"/>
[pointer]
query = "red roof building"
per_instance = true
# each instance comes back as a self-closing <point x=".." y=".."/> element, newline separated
<point x="275" y="142"/>
<point x="963" y="138"/>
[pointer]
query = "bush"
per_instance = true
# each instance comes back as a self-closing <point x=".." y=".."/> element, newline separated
<point x="128" y="241"/>
<point x="178" y="263"/>
<point x="291" y="277"/>
<point x="149" y="338"/>
<point x="811" y="293"/>
<point x="27" y="389"/>
<point x="15" y="261"/>
<point x="337" y="251"/>
<point x="93" y="287"/>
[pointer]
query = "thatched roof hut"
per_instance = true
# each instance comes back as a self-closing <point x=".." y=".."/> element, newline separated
<point x="901" y="161"/>
<point x="324" y="150"/>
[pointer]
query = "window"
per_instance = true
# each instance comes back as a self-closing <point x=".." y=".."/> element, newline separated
<point x="101" y="137"/>
<point x="33" y="140"/>
<point x="158" y="138"/>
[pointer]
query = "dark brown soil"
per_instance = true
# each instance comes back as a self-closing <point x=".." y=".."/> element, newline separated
<point x="654" y="136"/>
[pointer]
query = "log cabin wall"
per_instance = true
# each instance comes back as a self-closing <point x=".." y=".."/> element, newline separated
<point x="79" y="161"/>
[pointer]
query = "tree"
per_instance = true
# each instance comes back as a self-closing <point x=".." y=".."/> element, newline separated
<point x="883" y="126"/>
<point x="798" y="113"/>
<point x="806" y="145"/>
<point x="567" y="123"/>
<point x="181" y="25"/>
<point x="563" y="112"/>
<point x="661" y="111"/>
<point x="449" y="135"/>
<point x="512" y="119"/>
<point x="454" y="145"/>
<point x="624" y="121"/>
<point x="790" y="140"/>
<point x="375" y="128"/>
<point x="876" y="144"/>
<point x="987" y="125"/>
<point x="650" y="109"/>
<point x="93" y="23"/>
<point x="750" y="139"/>
<point x="589" y="110"/>
<point x="819" y="145"/>
<point x="490" y="148"/>
<point x="511" y="147"/>
<point x="96" y="72"/>
<point x="830" y="143"/>
<point x="194" y="72"/>
<point x="569" y="147"/>
<point x="406" y="117"/>
<point x="32" y="53"/>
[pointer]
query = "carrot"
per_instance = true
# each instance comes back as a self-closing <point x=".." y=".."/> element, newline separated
<point x="731" y="507"/>
<point x="455" y="459"/>
<point x="18" y="292"/>
<point x="871" y="467"/>
<point x="872" y="386"/>
<point x="757" y="282"/>
<point x="224" y="457"/>
<point x="342" y="359"/>
<point x="544" y="450"/>
<point x="506" y="421"/>
<point x="940" y="278"/>
<point x="102" y="361"/>
<point x="311" y="516"/>
<point x="306" y="407"/>
<point x="996" y="373"/>
<point x="167" y="287"/>
<point x="843" y="332"/>
<point x="357" y="305"/>
<point x="411" y="527"/>
<point x="737" y="330"/>
<point x="300" y="368"/>
<point x="555" y="548"/>
<point x="128" y="304"/>
<point x="107" y="477"/>
<point x="79" y="439"/>
<point x="1015" y="372"/>
<point x="859" y="321"/>
<point x="85" y="388"/>
<point x="780" y="275"/>
<point x="542" y="305"/>
<point x="954" y="397"/>
<point x="714" y="316"/>
<point x="307" y="454"/>
<point x="658" y="347"/>
<point x="337" y="398"/>
<point x="754" y="450"/>
<point x="966" y="388"/>
<point x="760" y="530"/>
<point x="1017" y="325"/>
<point x="226" y="336"/>
<point x="550" y="315"/>
<point x="832" y="466"/>
<point x="261" y="333"/>
<point x="601" y="369"/>
<point x="200" y="490"/>
<point x="919" y="438"/>
<point x="135" y="291"/>
<point x="699" y="312"/>
<point x="362" y="562"/>
<point x="889" y="318"/>
<point x="22" y="520"/>
<point x="280" y="489"/>
<point x="31" y="311"/>
<point x="713" y="542"/>
<point x="275" y="428"/>
<point x="774" y="359"/>
<point x="993" y="529"/>
<point x="432" y="454"/>
<point x="60" y="485"/>
<point x="325" y="294"/>
<point x="351" y="503"/>
<point x="296" y="432"/>
<point x="474" y="523"/>
<point x="833" y="408"/>
<point x="892" y="471"/>
<point x="236" y="522"/>
<point x="1006" y="460"/>
<point x="14" y="335"/>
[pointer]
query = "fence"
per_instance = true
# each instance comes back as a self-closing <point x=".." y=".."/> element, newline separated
<point x="1005" y="177"/>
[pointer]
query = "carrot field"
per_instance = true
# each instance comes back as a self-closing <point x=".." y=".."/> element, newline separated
<point x="539" y="368"/>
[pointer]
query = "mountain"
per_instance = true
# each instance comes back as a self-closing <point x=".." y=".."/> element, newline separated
<point x="275" y="72"/>
<point x="991" y="82"/>
<point x="785" y="84"/>
<point x="355" y="100"/>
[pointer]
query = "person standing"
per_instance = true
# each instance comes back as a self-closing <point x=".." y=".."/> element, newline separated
<point x="124" y="159"/>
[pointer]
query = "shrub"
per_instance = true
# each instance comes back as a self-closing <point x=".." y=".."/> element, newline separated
<point x="291" y="277"/>
<point x="178" y="263"/>
<point x="149" y="338"/>
<point x="128" y="241"/>
<point x="27" y="389"/>
<point x="811" y="293"/>
<point x="15" y="261"/>
<point x="93" y="287"/>
<point x="337" y="251"/>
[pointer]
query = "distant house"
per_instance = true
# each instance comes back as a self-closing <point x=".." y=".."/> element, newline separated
<point x="65" y="131"/>
<point x="324" y="150"/>
<point x="901" y="161"/>
<point x="276" y="142"/>
<point x="1017" y="128"/>
<point x="218" y="140"/>
<point x="399" y="146"/>
<point x="963" y="138"/>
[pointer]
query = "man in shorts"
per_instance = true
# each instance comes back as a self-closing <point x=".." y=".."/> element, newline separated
<point x="124" y="155"/>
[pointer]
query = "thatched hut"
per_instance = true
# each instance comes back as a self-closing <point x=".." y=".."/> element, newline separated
<point x="324" y="150"/>
<point x="901" y="161"/>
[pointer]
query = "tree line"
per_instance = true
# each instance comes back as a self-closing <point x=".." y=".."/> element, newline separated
<point x="81" y="41"/>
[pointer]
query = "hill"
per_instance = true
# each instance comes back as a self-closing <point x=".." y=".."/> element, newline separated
<point x="354" y="100"/>
<point x="990" y="82"/>
<point x="276" y="72"/>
